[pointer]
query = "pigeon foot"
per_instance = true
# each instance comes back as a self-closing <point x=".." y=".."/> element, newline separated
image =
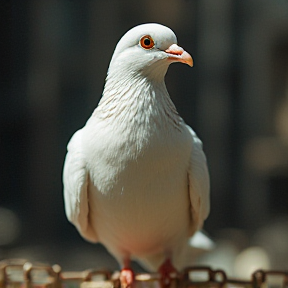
<point x="166" y="271"/>
<point x="127" y="278"/>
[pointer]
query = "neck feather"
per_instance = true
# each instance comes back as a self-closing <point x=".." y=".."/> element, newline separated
<point x="137" y="100"/>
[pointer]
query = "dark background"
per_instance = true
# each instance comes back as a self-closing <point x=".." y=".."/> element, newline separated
<point x="54" y="58"/>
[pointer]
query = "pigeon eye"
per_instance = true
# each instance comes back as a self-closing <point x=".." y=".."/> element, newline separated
<point x="147" y="42"/>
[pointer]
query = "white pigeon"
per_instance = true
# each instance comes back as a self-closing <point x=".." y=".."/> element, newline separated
<point x="135" y="176"/>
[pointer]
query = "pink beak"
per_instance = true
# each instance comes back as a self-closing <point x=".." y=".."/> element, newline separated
<point x="178" y="54"/>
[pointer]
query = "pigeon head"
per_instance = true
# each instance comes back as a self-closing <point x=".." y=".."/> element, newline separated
<point x="148" y="50"/>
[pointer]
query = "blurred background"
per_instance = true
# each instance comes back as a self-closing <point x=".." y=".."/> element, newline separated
<point x="54" y="58"/>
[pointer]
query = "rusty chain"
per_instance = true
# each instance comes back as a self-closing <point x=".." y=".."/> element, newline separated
<point x="23" y="274"/>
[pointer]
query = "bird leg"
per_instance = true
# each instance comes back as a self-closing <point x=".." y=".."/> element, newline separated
<point x="127" y="275"/>
<point x="165" y="270"/>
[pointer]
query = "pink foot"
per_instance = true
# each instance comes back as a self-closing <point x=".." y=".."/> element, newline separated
<point x="166" y="269"/>
<point x="127" y="278"/>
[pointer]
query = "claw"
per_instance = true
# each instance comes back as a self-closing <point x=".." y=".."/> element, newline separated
<point x="127" y="278"/>
<point x="166" y="270"/>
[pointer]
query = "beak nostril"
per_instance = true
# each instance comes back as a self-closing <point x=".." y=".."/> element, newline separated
<point x="175" y="50"/>
<point x="178" y="54"/>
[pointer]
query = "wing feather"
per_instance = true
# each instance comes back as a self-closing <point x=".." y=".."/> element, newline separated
<point x="75" y="180"/>
<point x="199" y="183"/>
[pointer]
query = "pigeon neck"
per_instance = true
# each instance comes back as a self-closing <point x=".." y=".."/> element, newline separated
<point x="138" y="98"/>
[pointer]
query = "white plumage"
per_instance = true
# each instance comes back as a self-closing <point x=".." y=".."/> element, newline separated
<point x="135" y="176"/>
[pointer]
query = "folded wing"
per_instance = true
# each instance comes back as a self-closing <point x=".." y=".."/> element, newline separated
<point x="76" y="196"/>
<point x="199" y="184"/>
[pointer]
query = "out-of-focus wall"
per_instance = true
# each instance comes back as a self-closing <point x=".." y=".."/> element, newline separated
<point x="54" y="58"/>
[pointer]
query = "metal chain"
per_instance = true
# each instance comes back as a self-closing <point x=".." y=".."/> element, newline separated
<point x="15" y="273"/>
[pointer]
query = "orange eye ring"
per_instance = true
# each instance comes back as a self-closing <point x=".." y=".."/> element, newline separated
<point x="147" y="42"/>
